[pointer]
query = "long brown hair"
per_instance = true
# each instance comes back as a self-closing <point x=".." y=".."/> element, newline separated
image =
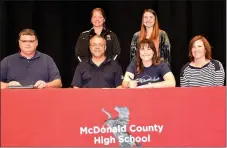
<point x="206" y="45"/>
<point x="155" y="32"/>
<point x="155" y="59"/>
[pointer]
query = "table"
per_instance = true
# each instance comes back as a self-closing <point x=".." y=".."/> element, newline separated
<point x="76" y="117"/>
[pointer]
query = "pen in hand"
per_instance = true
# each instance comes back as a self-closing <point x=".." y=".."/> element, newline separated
<point x="132" y="83"/>
<point x="130" y="78"/>
<point x="133" y="79"/>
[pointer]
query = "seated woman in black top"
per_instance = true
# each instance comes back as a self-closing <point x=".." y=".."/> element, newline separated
<point x="202" y="70"/>
<point x="147" y="71"/>
<point x="113" y="49"/>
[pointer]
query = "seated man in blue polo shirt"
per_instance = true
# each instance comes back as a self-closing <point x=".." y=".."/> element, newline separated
<point x="98" y="71"/>
<point x="29" y="66"/>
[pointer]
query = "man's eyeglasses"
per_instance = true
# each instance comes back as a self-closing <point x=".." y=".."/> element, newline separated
<point x="27" y="41"/>
<point x="97" y="45"/>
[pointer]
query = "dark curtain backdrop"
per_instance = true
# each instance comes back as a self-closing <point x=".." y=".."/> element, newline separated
<point x="58" y="25"/>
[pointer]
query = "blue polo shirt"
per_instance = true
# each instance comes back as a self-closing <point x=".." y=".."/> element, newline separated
<point x="106" y="75"/>
<point x="151" y="74"/>
<point x="28" y="71"/>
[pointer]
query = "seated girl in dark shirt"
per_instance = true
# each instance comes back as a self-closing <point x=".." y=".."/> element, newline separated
<point x="147" y="71"/>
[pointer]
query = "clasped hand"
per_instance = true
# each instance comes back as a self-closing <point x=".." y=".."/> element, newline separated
<point x="40" y="84"/>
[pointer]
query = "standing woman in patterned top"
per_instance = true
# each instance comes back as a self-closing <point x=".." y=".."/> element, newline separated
<point x="150" y="30"/>
<point x="202" y="70"/>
